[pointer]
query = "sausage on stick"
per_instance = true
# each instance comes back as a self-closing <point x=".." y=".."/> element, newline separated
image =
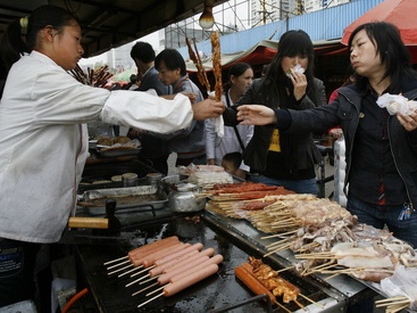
<point x="179" y="272"/>
<point x="168" y="261"/>
<point x="143" y="249"/>
<point x="185" y="282"/>
<point x="149" y="259"/>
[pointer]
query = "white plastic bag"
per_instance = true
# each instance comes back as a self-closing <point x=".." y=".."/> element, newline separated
<point x="339" y="149"/>
<point x="396" y="104"/>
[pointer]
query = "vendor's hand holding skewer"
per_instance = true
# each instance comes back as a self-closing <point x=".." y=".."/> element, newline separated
<point x="207" y="109"/>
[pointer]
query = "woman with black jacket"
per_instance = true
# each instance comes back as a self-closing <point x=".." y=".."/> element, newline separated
<point x="275" y="157"/>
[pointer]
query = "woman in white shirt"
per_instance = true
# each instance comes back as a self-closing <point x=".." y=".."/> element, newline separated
<point x="44" y="141"/>
<point x="235" y="139"/>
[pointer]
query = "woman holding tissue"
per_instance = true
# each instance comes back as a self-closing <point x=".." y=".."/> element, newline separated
<point x="275" y="157"/>
<point x="381" y="149"/>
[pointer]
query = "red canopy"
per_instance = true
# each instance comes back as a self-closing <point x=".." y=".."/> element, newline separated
<point x="401" y="13"/>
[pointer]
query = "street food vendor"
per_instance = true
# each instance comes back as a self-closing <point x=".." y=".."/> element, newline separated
<point x="43" y="137"/>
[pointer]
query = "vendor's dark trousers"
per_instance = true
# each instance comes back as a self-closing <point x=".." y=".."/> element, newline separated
<point x="17" y="264"/>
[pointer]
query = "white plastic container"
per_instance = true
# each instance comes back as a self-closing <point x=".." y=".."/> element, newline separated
<point x="339" y="171"/>
<point x="26" y="306"/>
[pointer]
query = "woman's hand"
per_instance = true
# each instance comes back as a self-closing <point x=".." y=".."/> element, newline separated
<point x="409" y="122"/>
<point x="299" y="81"/>
<point x="255" y="114"/>
<point x="207" y="108"/>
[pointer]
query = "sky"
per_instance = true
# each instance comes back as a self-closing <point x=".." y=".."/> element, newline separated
<point x="233" y="13"/>
<point x="153" y="39"/>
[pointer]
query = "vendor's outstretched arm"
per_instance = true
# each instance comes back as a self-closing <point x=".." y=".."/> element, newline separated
<point x="255" y="114"/>
<point x="207" y="108"/>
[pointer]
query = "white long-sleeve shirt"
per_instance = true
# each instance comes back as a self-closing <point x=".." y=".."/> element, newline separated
<point x="44" y="142"/>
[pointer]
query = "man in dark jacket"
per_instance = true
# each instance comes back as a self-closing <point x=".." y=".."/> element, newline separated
<point x="154" y="151"/>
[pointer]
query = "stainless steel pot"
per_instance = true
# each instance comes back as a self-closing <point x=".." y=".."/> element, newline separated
<point x="183" y="198"/>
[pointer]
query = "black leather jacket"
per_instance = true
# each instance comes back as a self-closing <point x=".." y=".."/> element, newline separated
<point x="304" y="153"/>
<point x="345" y="112"/>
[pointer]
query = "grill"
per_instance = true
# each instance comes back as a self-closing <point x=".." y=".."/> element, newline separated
<point x="236" y="240"/>
<point x="214" y="294"/>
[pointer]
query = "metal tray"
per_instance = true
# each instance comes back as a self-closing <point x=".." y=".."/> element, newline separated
<point x="104" y="153"/>
<point x="128" y="199"/>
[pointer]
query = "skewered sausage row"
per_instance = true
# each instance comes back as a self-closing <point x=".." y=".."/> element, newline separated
<point x="173" y="264"/>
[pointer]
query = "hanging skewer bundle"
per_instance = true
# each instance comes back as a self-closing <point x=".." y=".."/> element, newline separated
<point x="217" y="65"/>
<point x="96" y="78"/>
<point x="216" y="61"/>
<point x="201" y="71"/>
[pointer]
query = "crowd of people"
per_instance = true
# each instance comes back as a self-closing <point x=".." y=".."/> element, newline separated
<point x="269" y="133"/>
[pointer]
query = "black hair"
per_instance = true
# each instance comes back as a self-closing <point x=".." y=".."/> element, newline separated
<point x="392" y="51"/>
<point x="234" y="157"/>
<point x="172" y="59"/>
<point x="143" y="51"/>
<point x="236" y="70"/>
<point x="292" y="43"/>
<point x="13" y="46"/>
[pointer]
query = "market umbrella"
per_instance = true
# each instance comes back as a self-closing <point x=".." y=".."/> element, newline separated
<point x="401" y="13"/>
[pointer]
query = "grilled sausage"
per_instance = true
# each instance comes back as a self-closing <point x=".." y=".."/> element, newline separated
<point x="188" y="269"/>
<point x="153" y="254"/>
<point x="154" y="245"/>
<point x="250" y="281"/>
<point x="191" y="279"/>
<point x="206" y="252"/>
<point x="170" y="257"/>
<point x="171" y="260"/>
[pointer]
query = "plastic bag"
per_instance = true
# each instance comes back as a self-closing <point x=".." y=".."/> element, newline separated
<point x="402" y="283"/>
<point x="396" y="104"/>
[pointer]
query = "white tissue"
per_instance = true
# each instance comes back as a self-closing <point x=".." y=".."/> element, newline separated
<point x="218" y="122"/>
<point x="396" y="104"/>
<point x="296" y="69"/>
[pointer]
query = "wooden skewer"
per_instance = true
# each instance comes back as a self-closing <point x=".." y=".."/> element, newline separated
<point x="148" y="280"/>
<point x="120" y="269"/>
<point x="139" y="279"/>
<point x="115" y="260"/>
<point x="282" y="307"/>
<point x="312" y="301"/>
<point x="284" y="269"/>
<point x="332" y="276"/>
<point x="150" y="300"/>
<point x="129" y="271"/>
<point x="279" y="235"/>
<point x="276" y="250"/>
<point x="396" y="309"/>
<point x="407" y="302"/>
<point x="155" y="291"/>
<point x="391" y="299"/>
<point x="144" y="270"/>
<point x="143" y="289"/>
<point x="299" y="304"/>
<point x="118" y="264"/>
